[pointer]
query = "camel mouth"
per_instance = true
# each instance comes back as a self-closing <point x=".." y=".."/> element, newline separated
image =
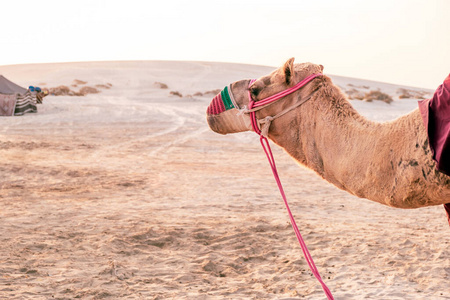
<point x="223" y="117"/>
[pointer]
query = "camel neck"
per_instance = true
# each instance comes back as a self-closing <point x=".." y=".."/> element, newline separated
<point x="330" y="137"/>
<point x="336" y="143"/>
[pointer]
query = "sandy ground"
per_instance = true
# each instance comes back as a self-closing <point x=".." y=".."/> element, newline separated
<point x="127" y="194"/>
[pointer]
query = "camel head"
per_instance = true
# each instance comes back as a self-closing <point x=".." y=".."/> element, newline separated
<point x="226" y="112"/>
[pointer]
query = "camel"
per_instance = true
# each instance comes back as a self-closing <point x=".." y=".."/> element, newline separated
<point x="389" y="163"/>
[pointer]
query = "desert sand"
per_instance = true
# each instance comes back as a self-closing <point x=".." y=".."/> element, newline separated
<point x="127" y="194"/>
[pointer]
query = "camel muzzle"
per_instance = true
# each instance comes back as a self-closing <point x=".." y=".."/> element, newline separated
<point x="223" y="114"/>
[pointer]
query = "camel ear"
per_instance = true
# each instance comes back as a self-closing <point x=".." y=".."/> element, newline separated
<point x="288" y="70"/>
<point x="321" y="67"/>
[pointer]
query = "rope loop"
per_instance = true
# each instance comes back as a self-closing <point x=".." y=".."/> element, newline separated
<point x="242" y="111"/>
<point x="265" y="125"/>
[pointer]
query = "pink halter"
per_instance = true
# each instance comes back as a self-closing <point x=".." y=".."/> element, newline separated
<point x="266" y="146"/>
<point x="266" y="101"/>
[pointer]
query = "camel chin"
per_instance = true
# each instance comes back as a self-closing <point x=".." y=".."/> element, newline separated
<point x="229" y="122"/>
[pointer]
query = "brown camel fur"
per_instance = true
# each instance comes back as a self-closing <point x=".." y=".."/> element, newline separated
<point x="390" y="163"/>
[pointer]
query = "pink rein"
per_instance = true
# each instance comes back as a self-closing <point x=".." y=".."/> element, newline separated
<point x="266" y="146"/>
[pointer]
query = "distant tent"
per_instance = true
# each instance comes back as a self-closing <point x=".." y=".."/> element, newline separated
<point x="15" y="100"/>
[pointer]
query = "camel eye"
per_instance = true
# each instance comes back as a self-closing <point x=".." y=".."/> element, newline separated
<point x="254" y="90"/>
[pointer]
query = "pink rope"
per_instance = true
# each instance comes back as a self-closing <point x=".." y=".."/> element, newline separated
<point x="266" y="147"/>
<point x="265" y="144"/>
<point x="285" y="92"/>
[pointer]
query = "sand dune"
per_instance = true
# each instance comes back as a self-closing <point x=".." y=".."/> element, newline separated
<point x="127" y="194"/>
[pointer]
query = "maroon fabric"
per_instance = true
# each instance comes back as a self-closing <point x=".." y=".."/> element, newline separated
<point x="435" y="114"/>
<point x="447" y="209"/>
<point x="436" y="117"/>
